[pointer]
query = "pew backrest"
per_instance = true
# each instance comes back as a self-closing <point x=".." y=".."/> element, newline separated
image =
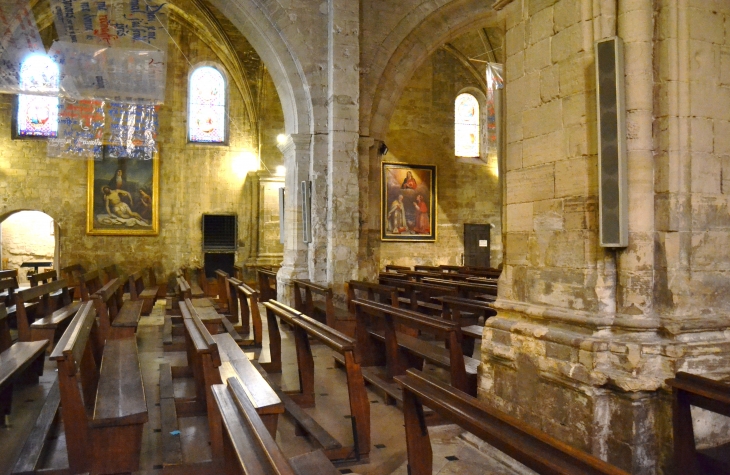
<point x="136" y="284"/>
<point x="43" y="277"/>
<point x="90" y="283"/>
<point x="372" y="291"/>
<point x="42" y="294"/>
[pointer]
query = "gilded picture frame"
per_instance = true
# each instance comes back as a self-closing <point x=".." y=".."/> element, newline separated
<point x="408" y="202"/>
<point x="123" y="196"/>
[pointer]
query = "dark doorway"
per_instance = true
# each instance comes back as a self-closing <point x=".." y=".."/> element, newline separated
<point x="477" y="242"/>
<point x="218" y="260"/>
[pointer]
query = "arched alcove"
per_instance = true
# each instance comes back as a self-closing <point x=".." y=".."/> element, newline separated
<point x="28" y="236"/>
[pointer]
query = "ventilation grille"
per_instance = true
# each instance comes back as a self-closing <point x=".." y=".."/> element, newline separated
<point x="219" y="232"/>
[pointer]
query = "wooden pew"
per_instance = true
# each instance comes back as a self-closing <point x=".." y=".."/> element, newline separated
<point x="450" y="269"/>
<point x="215" y="358"/>
<point x="89" y="284"/>
<point x="17" y="361"/>
<point x="224" y="298"/>
<point x="43" y="277"/>
<point x="370" y="291"/>
<point x="50" y="316"/>
<point x="305" y="327"/>
<point x="8" y="287"/>
<point x="420" y="296"/>
<point x="110" y="272"/>
<point x="467" y="290"/>
<point x="467" y="312"/>
<point x="117" y="318"/>
<point x="531" y="447"/>
<point x="267" y="284"/>
<point x="247" y="446"/>
<point x="146" y="293"/>
<point x="694" y="390"/>
<point x="395" y="268"/>
<point x="72" y="274"/>
<point x="323" y="309"/>
<point x="425" y="268"/>
<point x="196" y="279"/>
<point x="463" y="369"/>
<point x="238" y="272"/>
<point x="106" y="377"/>
<point x="248" y="302"/>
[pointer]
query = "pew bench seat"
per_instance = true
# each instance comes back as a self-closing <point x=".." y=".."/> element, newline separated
<point x="129" y="314"/>
<point x="120" y="398"/>
<point x="428" y="351"/>
<point x="14" y="363"/>
<point x="473" y="331"/>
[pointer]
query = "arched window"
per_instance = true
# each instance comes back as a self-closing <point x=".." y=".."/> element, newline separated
<point x="466" y="126"/>
<point x="207" y="106"/>
<point x="38" y="115"/>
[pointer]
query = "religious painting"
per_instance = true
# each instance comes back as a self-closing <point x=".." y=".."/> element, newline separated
<point x="122" y="196"/>
<point x="408" y="202"/>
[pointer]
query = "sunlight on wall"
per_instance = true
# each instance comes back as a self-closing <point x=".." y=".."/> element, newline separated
<point x="27" y="236"/>
<point x="243" y="163"/>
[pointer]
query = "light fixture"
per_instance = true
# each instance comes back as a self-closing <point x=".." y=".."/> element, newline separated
<point x="281" y="138"/>
<point x="281" y="170"/>
<point x="244" y="163"/>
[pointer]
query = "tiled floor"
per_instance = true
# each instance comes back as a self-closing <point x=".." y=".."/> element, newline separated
<point x="451" y="450"/>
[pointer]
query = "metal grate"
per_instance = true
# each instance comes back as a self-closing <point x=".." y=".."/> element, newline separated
<point x="219" y="232"/>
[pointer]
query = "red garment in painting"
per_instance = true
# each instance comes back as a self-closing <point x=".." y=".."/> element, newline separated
<point x="409" y="182"/>
<point x="423" y="223"/>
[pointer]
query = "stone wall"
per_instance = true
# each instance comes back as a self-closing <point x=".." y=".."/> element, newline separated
<point x="27" y="236"/>
<point x="194" y="178"/>
<point x="422" y="132"/>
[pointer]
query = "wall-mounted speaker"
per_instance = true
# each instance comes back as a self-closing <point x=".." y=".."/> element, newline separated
<point x="612" y="168"/>
<point x="306" y="191"/>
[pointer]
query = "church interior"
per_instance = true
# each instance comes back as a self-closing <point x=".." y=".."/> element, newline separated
<point x="371" y="237"/>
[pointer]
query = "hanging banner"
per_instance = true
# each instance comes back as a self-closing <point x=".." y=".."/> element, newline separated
<point x="80" y="130"/>
<point x="113" y="74"/>
<point x="133" y="24"/>
<point x="495" y="82"/>
<point x="133" y="131"/>
<point x="112" y="50"/>
<point x="19" y="38"/>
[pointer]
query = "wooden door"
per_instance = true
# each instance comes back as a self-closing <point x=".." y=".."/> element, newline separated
<point x="477" y="242"/>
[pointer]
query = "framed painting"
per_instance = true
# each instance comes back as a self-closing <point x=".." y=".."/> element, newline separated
<point x="408" y="202"/>
<point x="122" y="196"/>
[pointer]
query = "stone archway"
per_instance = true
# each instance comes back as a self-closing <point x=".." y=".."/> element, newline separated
<point x="408" y="48"/>
<point x="256" y="24"/>
<point x="28" y="235"/>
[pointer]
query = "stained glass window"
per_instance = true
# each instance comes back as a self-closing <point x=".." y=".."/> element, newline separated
<point x="38" y="115"/>
<point x="207" y="106"/>
<point x="466" y="126"/>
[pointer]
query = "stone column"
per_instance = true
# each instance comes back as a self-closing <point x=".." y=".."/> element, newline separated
<point x="343" y="123"/>
<point x="297" y="154"/>
<point x="369" y="245"/>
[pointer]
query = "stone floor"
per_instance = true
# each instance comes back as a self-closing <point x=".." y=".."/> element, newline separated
<point x="454" y="450"/>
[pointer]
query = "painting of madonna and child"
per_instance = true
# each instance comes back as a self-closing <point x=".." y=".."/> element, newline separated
<point x="122" y="197"/>
<point x="408" y="202"/>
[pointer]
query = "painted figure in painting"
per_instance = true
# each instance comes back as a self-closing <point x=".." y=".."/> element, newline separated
<point x="423" y="222"/>
<point x="396" y="216"/>
<point x="409" y="182"/>
<point x="115" y="206"/>
<point x="144" y="205"/>
<point x="118" y="181"/>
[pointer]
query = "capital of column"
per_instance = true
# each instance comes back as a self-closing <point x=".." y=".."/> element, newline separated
<point x="294" y="143"/>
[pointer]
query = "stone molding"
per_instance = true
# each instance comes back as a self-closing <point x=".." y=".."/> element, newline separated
<point x="500" y="4"/>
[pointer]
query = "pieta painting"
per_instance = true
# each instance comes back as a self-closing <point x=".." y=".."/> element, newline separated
<point x="122" y="196"/>
<point x="408" y="202"/>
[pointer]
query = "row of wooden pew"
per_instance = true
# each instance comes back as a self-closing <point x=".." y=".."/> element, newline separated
<point x="98" y="393"/>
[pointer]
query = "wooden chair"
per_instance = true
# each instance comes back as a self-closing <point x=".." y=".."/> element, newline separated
<point x="529" y="446"/>
<point x="106" y="377"/>
<point x="694" y="390"/>
<point x="247" y="446"/>
<point x="20" y="360"/>
<point x="50" y="315"/>
<point x="305" y="327"/>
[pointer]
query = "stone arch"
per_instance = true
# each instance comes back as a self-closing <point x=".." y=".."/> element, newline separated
<point x="56" y="233"/>
<point x="257" y="25"/>
<point x="410" y="48"/>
